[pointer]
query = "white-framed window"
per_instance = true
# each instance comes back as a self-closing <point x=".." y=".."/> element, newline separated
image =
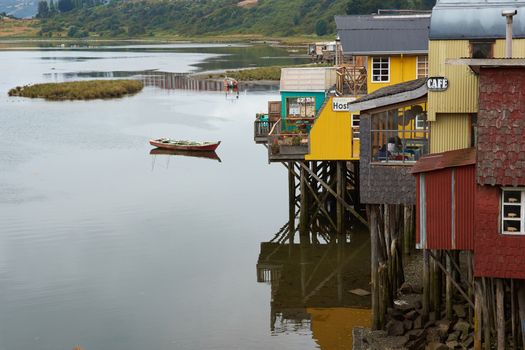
<point x="355" y="125"/>
<point x="512" y="210"/>
<point x="421" y="121"/>
<point x="422" y="67"/>
<point x="380" y="69"/>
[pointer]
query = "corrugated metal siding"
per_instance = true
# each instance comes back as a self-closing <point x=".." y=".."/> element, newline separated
<point x="518" y="48"/>
<point x="307" y="79"/>
<point x="465" y="181"/>
<point x="462" y="94"/>
<point x="438" y="209"/>
<point x="449" y="132"/>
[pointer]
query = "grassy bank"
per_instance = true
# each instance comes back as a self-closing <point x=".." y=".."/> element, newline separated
<point x="18" y="28"/>
<point x="79" y="90"/>
<point x="261" y="73"/>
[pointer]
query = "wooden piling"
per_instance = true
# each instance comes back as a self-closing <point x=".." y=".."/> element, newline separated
<point x="374" y="242"/>
<point x="303" y="215"/>
<point x="477" y="316"/>
<point x="448" y="288"/>
<point x="521" y="306"/>
<point x="426" y="285"/>
<point x="408" y="229"/>
<point x="340" y="185"/>
<point x="500" y="314"/>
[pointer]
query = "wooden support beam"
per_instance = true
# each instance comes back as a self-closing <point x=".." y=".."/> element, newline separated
<point x="372" y="211"/>
<point x="500" y="295"/>
<point x="477" y="316"/>
<point x="346" y="205"/>
<point x="340" y="185"/>
<point x="448" y="288"/>
<point x="426" y="285"/>
<point x="458" y="287"/>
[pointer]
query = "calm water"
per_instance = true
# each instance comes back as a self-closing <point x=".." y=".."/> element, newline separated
<point x="105" y="245"/>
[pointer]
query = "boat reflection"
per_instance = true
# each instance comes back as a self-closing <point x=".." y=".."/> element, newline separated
<point x="197" y="154"/>
<point x="311" y="277"/>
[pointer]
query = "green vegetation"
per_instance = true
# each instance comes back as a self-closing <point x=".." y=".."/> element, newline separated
<point x="79" y="90"/>
<point x="190" y="18"/>
<point x="258" y="74"/>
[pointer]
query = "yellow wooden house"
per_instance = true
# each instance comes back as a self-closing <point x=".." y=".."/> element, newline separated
<point x="479" y="34"/>
<point x="394" y="48"/>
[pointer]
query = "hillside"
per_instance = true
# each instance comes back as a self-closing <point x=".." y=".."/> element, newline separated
<point x="283" y="18"/>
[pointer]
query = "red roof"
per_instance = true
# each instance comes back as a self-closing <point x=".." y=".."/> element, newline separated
<point x="450" y="159"/>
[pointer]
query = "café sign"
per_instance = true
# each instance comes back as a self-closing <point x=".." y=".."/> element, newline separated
<point x="340" y="104"/>
<point x="437" y="83"/>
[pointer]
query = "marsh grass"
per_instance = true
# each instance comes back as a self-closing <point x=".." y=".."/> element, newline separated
<point x="79" y="90"/>
<point x="261" y="73"/>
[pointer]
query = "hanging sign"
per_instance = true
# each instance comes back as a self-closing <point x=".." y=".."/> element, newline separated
<point x="340" y="104"/>
<point x="437" y="83"/>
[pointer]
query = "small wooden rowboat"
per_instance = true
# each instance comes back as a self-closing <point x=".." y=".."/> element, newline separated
<point x="184" y="145"/>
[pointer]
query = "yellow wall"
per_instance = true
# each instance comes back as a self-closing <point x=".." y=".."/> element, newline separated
<point x="402" y="68"/>
<point x="331" y="136"/>
<point x="450" y="132"/>
<point x="462" y="93"/>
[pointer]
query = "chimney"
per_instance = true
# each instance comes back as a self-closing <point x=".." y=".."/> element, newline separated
<point x="508" y="37"/>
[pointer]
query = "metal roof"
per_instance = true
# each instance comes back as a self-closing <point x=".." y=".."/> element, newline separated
<point x="392" y="94"/>
<point x="438" y="161"/>
<point x="318" y="79"/>
<point x="475" y="19"/>
<point x="383" y="34"/>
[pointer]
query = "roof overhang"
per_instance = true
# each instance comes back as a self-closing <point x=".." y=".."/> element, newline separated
<point x="392" y="99"/>
<point x="444" y="160"/>
<point x="477" y="63"/>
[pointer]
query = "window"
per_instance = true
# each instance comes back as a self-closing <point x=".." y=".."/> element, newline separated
<point x="399" y="135"/>
<point x="422" y="67"/>
<point x="481" y="49"/>
<point x="513" y="206"/>
<point x="380" y="69"/>
<point x="301" y="107"/>
<point x="355" y="125"/>
<point x="421" y="121"/>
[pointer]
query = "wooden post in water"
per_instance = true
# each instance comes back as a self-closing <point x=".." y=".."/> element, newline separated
<point x="500" y="313"/>
<point x="374" y="259"/>
<point x="340" y="185"/>
<point x="291" y="197"/>
<point x="304" y="212"/>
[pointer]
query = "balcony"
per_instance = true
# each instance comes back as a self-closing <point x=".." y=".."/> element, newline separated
<point x="286" y="145"/>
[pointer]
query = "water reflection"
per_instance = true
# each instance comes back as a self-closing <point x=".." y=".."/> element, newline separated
<point x="165" y="80"/>
<point x="311" y="276"/>
<point x="197" y="154"/>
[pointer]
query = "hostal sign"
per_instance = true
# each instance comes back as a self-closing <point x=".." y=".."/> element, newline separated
<point x="437" y="84"/>
<point x="340" y="104"/>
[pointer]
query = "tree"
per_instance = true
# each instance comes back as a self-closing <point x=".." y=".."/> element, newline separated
<point x="321" y="27"/>
<point x="65" y="5"/>
<point x="43" y="10"/>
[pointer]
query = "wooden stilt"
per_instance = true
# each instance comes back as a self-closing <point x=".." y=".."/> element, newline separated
<point x="477" y="316"/>
<point x="500" y="314"/>
<point x="291" y="197"/>
<point x="521" y="305"/>
<point x="426" y="285"/>
<point x="486" y="316"/>
<point x="470" y="282"/>
<point x="303" y="216"/>
<point x="513" y="316"/>
<point x="448" y="288"/>
<point x="372" y="219"/>
<point x="407" y="229"/>
<point x="340" y="185"/>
